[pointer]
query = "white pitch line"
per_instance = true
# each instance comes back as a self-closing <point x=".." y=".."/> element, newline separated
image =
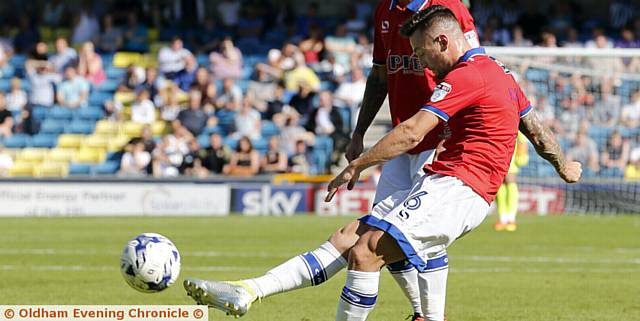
<point x="473" y="258"/>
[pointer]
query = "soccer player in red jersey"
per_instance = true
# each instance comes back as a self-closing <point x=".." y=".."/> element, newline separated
<point x="398" y="73"/>
<point x="483" y="106"/>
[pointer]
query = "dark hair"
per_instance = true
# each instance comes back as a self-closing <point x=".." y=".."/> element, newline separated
<point x="427" y="18"/>
<point x="245" y="138"/>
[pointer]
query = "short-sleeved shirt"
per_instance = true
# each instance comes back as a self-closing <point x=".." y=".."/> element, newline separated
<point x="482" y="104"/>
<point x="408" y="83"/>
<point x="72" y="89"/>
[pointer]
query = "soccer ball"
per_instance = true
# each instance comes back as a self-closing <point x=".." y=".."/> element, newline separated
<point x="150" y="263"/>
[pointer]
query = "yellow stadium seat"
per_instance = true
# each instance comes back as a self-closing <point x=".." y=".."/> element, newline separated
<point x="183" y="98"/>
<point x="132" y="129"/>
<point x="70" y="141"/>
<point x="95" y="141"/>
<point x="148" y="61"/>
<point x="21" y="169"/>
<point x="63" y="33"/>
<point x="159" y="128"/>
<point x="155" y="47"/>
<point x="123" y="59"/>
<point x="51" y="169"/>
<point x="32" y="155"/>
<point x="12" y="152"/>
<point x="60" y="155"/>
<point x="117" y="144"/>
<point x="107" y="128"/>
<point x="152" y="34"/>
<point x="125" y="98"/>
<point x="90" y="155"/>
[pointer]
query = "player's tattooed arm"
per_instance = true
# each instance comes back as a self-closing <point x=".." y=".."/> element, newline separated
<point x="548" y="147"/>
<point x="374" y="96"/>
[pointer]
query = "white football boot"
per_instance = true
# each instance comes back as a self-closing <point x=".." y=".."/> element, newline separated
<point x="233" y="298"/>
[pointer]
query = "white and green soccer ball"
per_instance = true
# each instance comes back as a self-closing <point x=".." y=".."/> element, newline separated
<point x="150" y="263"/>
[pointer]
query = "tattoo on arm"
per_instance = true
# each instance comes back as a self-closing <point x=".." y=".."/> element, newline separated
<point x="374" y="95"/>
<point x="543" y="140"/>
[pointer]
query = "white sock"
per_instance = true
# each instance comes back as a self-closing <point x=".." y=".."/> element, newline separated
<point x="358" y="296"/>
<point x="310" y="268"/>
<point x="433" y="288"/>
<point x="407" y="278"/>
<point x="511" y="217"/>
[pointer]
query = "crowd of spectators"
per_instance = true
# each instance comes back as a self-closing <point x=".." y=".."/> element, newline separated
<point x="203" y="78"/>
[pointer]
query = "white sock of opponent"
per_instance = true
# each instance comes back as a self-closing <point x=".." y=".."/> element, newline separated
<point x="307" y="269"/>
<point x="433" y="288"/>
<point x="358" y="296"/>
<point x="407" y="278"/>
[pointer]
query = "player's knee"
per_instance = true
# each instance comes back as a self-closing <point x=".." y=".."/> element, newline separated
<point x="361" y="255"/>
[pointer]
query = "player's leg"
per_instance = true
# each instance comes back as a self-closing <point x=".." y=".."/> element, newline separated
<point x="512" y="200"/>
<point x="502" y="208"/>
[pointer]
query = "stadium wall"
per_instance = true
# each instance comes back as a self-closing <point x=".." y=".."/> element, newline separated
<point x="219" y="198"/>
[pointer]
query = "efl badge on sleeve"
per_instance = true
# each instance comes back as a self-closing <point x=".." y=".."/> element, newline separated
<point x="440" y="92"/>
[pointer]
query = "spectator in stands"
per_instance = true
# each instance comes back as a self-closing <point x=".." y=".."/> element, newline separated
<point x="247" y="121"/>
<point x="133" y="77"/>
<point x="229" y="12"/>
<point x="355" y="24"/>
<point x="351" y="92"/>
<point x="326" y="120"/>
<point x="110" y="39"/>
<point x="90" y="65"/>
<point x="632" y="171"/>
<point x="615" y="156"/>
<point x="16" y="98"/>
<point x="572" y="40"/>
<point x="27" y="36"/>
<point x="26" y="123"/>
<point x="135" y="159"/>
<point x="6" y="118"/>
<point x="190" y="161"/>
<point x="147" y="138"/>
<point x="65" y="56"/>
<point x="364" y="52"/>
<point x="608" y="107"/>
<point x="603" y="64"/>
<point x="245" y="161"/>
<point x="186" y="77"/>
<point x="143" y="110"/>
<point x="299" y="161"/>
<point x="313" y="46"/>
<point x="6" y="69"/>
<point x="207" y="89"/>
<point x="518" y="39"/>
<point x="302" y="102"/>
<point x="6" y="162"/>
<point x="173" y="59"/>
<point x="261" y="89"/>
<point x="275" y="160"/>
<point x="73" y="92"/>
<point x="87" y="27"/>
<point x="214" y="157"/>
<point x="330" y="70"/>
<point x="170" y="107"/>
<point x="42" y="77"/>
<point x="292" y="132"/>
<point x="152" y="82"/>
<point x="40" y="53"/>
<point x="628" y="40"/>
<point x="301" y="74"/>
<point x="584" y="151"/>
<point x="167" y="157"/>
<point x="231" y="97"/>
<point x="227" y="63"/>
<point x="135" y="34"/>
<point x="341" y="46"/>
<point x="630" y="116"/>
<point x="194" y="119"/>
<point x="276" y="108"/>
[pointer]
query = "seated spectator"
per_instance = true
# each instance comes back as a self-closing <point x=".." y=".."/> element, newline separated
<point x="6" y="118"/>
<point x="185" y="78"/>
<point x="6" y="70"/>
<point x="275" y="160"/>
<point x="152" y="82"/>
<point x="632" y="171"/>
<point x="231" y="97"/>
<point x="350" y="93"/>
<point x="110" y="39"/>
<point x="214" y="157"/>
<point x="299" y="161"/>
<point x="245" y="161"/>
<point x="518" y="39"/>
<point x="302" y="102"/>
<point x="615" y="156"/>
<point x="6" y="162"/>
<point x="227" y="63"/>
<point x="276" y="108"/>
<point x="355" y="24"/>
<point x="170" y="107"/>
<point x="135" y="35"/>
<point x="135" y="159"/>
<point x="73" y="92"/>
<point x="326" y="120"/>
<point x="207" y="89"/>
<point x="313" y="47"/>
<point x="90" y="65"/>
<point x="608" y="109"/>
<point x="330" y="70"/>
<point x="261" y="89"/>
<point x="292" y="132"/>
<point x="194" y="119"/>
<point x="40" y="53"/>
<point x="143" y="110"/>
<point x="16" y="98"/>
<point x="584" y="151"/>
<point x="65" y="56"/>
<point x="341" y="46"/>
<point x="630" y="116"/>
<point x="247" y="121"/>
<point x="26" y="123"/>
<point x="190" y="161"/>
<point x="169" y="153"/>
<point x="301" y="74"/>
<point x="42" y="77"/>
<point x="133" y="77"/>
<point x="364" y="52"/>
<point x="147" y="138"/>
<point x="173" y="59"/>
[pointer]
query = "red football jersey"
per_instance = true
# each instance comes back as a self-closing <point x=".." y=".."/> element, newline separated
<point x="482" y="104"/>
<point x="408" y="83"/>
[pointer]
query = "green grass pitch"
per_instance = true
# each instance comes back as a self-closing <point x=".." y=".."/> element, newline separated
<point x="582" y="268"/>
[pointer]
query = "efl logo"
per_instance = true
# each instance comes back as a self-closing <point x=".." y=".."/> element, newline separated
<point x="440" y="92"/>
<point x="385" y="26"/>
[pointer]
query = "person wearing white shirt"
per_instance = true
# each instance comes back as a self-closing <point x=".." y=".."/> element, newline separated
<point x="350" y="93"/>
<point x="16" y="98"/>
<point x="173" y="59"/>
<point x="247" y="121"/>
<point x="143" y="111"/>
<point x="630" y="116"/>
